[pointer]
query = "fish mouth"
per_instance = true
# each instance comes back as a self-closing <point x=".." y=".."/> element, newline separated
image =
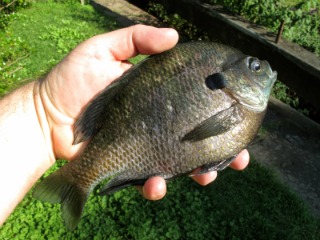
<point x="272" y="78"/>
<point x="273" y="75"/>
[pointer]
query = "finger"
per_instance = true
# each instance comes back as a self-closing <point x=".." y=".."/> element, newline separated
<point x="204" y="179"/>
<point x="154" y="188"/>
<point x="139" y="39"/>
<point x="242" y="160"/>
<point x="151" y="40"/>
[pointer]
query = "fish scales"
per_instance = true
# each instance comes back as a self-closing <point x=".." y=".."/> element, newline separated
<point x="139" y="123"/>
<point x="163" y="119"/>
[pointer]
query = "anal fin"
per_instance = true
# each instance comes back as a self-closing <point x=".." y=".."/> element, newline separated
<point x="127" y="179"/>
<point x="214" y="166"/>
<point x="114" y="186"/>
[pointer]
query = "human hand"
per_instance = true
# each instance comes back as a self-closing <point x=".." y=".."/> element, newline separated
<point x="87" y="70"/>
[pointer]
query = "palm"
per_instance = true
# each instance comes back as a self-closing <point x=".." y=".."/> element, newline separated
<point x="72" y="84"/>
<point x="80" y="76"/>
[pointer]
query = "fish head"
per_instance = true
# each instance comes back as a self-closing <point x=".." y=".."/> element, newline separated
<point x="248" y="80"/>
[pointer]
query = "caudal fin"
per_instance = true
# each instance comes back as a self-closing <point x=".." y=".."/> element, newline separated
<point x="57" y="189"/>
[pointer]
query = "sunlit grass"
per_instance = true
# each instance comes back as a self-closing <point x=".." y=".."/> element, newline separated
<point x="47" y="32"/>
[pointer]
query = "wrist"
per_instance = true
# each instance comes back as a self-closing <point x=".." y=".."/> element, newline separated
<point x="43" y="117"/>
<point x="57" y="126"/>
<point x="25" y="154"/>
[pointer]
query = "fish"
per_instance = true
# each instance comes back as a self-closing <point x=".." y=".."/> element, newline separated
<point x="194" y="106"/>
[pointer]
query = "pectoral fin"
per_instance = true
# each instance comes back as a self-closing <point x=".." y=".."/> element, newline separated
<point x="216" y="124"/>
<point x="92" y="118"/>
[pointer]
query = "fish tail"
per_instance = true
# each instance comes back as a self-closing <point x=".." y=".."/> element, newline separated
<point x="57" y="189"/>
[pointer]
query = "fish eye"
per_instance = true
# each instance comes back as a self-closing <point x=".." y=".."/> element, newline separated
<point x="254" y="64"/>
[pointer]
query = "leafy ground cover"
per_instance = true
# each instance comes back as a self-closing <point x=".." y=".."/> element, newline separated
<point x="252" y="204"/>
<point x="40" y="36"/>
<point x="240" y="205"/>
<point x="8" y="9"/>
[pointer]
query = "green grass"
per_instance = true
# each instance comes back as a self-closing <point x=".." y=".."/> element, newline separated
<point x="40" y="36"/>
<point x="252" y="204"/>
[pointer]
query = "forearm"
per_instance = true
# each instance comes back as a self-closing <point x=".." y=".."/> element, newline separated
<point x="24" y="151"/>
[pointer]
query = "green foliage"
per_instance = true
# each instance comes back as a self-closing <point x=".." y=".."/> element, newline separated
<point x="283" y="93"/>
<point x="8" y="8"/>
<point x="302" y="19"/>
<point x="12" y="51"/>
<point x="40" y="36"/>
<point x="239" y="205"/>
<point x="137" y="58"/>
<point x="64" y="35"/>
<point x="286" y="95"/>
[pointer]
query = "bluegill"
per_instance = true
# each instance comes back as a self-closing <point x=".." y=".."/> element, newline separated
<point x="197" y="105"/>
